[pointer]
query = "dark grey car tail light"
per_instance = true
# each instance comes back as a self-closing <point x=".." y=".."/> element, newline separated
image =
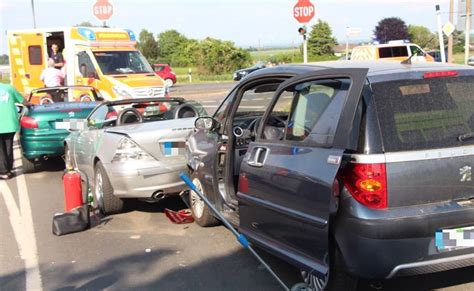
<point x="367" y="183"/>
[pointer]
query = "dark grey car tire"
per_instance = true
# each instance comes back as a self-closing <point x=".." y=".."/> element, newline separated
<point x="200" y="211"/>
<point x="29" y="166"/>
<point x="338" y="278"/>
<point x="108" y="203"/>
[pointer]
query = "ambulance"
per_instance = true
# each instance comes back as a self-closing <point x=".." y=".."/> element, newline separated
<point x="105" y="58"/>
<point x="392" y="51"/>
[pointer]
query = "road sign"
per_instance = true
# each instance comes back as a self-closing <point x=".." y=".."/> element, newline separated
<point x="353" y="31"/>
<point x="448" y="28"/>
<point x="303" y="11"/>
<point x="102" y="10"/>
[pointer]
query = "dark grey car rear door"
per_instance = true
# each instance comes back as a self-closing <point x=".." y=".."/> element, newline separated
<point x="287" y="176"/>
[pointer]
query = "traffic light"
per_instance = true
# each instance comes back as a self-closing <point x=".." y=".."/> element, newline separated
<point x="302" y="31"/>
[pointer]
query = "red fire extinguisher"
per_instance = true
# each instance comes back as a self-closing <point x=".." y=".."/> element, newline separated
<point x="72" y="190"/>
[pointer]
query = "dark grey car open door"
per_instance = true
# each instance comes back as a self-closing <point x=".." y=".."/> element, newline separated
<point x="287" y="176"/>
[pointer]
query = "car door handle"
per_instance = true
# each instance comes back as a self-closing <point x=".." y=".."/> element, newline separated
<point x="258" y="157"/>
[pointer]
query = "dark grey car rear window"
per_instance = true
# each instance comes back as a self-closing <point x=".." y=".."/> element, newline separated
<point x="425" y="114"/>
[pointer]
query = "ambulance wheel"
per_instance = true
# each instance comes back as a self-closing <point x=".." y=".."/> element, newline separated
<point x="200" y="211"/>
<point x="104" y="197"/>
<point x="29" y="166"/>
<point x="169" y="83"/>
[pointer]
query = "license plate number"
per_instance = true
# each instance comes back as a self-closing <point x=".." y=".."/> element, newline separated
<point x="456" y="238"/>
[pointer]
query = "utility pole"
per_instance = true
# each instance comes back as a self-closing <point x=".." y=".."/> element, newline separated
<point x="440" y="35"/>
<point x="33" y="10"/>
<point x="468" y="31"/>
<point x="450" y="38"/>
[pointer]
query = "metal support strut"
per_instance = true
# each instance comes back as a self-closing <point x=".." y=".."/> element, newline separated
<point x="240" y="237"/>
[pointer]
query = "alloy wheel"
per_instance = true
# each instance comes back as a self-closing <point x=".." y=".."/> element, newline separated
<point x="196" y="203"/>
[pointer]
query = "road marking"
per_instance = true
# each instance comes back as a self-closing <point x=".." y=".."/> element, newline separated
<point x="208" y="101"/>
<point x="211" y="106"/>
<point x="21" y="220"/>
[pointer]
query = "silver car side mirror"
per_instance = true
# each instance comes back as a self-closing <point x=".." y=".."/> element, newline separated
<point x="207" y="123"/>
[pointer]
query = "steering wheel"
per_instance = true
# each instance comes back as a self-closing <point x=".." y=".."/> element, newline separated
<point x="269" y="131"/>
<point x="128" y="116"/>
<point x="46" y="100"/>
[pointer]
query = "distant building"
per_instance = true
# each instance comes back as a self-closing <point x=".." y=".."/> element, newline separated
<point x="461" y="25"/>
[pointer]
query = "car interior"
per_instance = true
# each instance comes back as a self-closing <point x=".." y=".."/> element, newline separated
<point x="110" y="115"/>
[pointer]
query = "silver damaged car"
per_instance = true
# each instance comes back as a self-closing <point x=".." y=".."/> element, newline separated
<point x="132" y="149"/>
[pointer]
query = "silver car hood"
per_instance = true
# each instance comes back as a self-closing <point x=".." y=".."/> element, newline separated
<point x="154" y="136"/>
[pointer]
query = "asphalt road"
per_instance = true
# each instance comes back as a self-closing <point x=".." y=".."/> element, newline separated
<point x="140" y="249"/>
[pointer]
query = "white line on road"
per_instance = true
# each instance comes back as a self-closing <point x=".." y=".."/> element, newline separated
<point x="21" y="220"/>
<point x="211" y="106"/>
<point x="208" y="101"/>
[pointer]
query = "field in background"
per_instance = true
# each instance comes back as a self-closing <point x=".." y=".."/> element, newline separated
<point x="5" y="80"/>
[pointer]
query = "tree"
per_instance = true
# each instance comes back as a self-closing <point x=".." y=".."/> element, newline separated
<point x="216" y="56"/>
<point x="320" y="41"/>
<point x="148" y="45"/>
<point x="422" y="36"/>
<point x="169" y="42"/>
<point x="392" y="28"/>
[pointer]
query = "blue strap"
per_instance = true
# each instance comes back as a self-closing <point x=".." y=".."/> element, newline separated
<point x="187" y="181"/>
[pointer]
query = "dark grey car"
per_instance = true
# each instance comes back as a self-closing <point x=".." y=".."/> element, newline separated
<point x="346" y="170"/>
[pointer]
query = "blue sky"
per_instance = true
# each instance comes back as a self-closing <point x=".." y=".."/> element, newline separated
<point x="246" y="22"/>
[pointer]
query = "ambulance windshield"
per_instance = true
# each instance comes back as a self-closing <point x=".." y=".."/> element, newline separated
<point x="122" y="62"/>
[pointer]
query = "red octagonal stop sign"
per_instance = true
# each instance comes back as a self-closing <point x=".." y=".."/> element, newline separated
<point x="303" y="11"/>
<point x="102" y="10"/>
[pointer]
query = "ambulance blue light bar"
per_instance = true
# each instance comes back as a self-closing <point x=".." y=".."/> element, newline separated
<point x="131" y="34"/>
<point x="87" y="33"/>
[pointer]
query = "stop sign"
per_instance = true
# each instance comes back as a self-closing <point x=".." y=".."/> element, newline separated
<point x="102" y="10"/>
<point x="303" y="11"/>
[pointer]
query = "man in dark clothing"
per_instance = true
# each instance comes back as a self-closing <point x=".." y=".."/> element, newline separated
<point x="57" y="56"/>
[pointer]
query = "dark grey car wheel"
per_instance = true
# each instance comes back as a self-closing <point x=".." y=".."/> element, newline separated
<point x="201" y="213"/>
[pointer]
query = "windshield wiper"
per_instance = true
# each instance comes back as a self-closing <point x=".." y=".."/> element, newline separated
<point x="466" y="136"/>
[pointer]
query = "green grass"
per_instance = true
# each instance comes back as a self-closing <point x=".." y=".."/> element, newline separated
<point x="183" y="77"/>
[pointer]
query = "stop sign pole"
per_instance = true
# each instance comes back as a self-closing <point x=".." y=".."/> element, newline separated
<point x="303" y="12"/>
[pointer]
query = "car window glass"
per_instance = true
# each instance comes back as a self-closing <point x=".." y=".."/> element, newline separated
<point x="425" y="114"/>
<point x="86" y="67"/>
<point x="254" y="101"/>
<point x="393" y="52"/>
<point x="316" y="108"/>
<point x="98" y="118"/>
<point x="220" y="113"/>
<point x="416" y="50"/>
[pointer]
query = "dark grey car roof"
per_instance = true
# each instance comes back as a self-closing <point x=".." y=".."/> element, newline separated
<point x="378" y="70"/>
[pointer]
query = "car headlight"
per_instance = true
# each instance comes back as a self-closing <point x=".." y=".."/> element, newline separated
<point x="128" y="150"/>
<point x="122" y="92"/>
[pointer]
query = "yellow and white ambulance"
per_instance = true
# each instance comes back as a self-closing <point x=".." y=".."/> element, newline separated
<point x="392" y="51"/>
<point x="105" y="58"/>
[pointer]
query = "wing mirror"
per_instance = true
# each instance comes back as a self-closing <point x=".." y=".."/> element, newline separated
<point x="207" y="123"/>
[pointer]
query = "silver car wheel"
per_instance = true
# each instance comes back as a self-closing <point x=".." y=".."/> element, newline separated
<point x="99" y="189"/>
<point x="196" y="203"/>
<point x="315" y="283"/>
<point x="169" y="83"/>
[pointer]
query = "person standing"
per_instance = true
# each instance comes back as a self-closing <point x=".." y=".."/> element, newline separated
<point x="57" y="56"/>
<point x="51" y="76"/>
<point x="9" y="125"/>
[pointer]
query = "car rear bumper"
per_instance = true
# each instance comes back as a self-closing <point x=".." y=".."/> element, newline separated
<point x="42" y="144"/>
<point x="401" y="241"/>
<point x="143" y="179"/>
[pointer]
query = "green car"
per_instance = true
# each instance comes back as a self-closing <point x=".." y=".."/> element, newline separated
<point x="41" y="135"/>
